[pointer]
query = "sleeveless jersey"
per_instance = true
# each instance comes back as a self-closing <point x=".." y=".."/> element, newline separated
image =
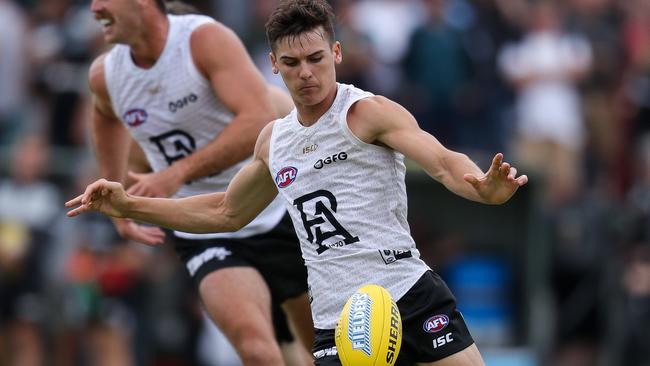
<point x="348" y="203"/>
<point x="171" y="110"/>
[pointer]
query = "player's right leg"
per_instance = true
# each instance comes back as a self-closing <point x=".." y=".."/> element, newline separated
<point x="235" y="296"/>
<point x="238" y="301"/>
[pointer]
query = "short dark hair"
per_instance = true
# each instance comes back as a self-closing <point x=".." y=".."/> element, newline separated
<point x="177" y="7"/>
<point x="160" y="4"/>
<point x="294" y="17"/>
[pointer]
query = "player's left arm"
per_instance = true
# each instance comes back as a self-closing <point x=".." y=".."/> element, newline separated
<point x="381" y="121"/>
<point x="221" y="57"/>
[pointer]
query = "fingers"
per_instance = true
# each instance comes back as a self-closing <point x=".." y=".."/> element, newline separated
<point x="149" y="235"/>
<point x="496" y="163"/>
<point x="136" y="190"/>
<point x="522" y="180"/>
<point x="75" y="201"/>
<point x="78" y="211"/>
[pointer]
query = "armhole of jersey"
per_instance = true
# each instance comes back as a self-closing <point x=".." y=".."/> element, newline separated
<point x="343" y="124"/>
<point x="271" y="145"/>
<point x="109" y="62"/>
<point x="187" y="53"/>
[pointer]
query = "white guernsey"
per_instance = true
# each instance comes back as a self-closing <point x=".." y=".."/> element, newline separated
<point x="351" y="234"/>
<point x="167" y="89"/>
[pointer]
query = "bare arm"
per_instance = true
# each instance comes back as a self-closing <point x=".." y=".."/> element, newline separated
<point x="110" y="138"/>
<point x="383" y="122"/>
<point x="240" y="86"/>
<point x="112" y="143"/>
<point x="250" y="191"/>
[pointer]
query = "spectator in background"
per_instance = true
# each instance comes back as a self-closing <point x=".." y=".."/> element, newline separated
<point x="13" y="67"/>
<point x="26" y="214"/>
<point x="632" y="317"/>
<point x="358" y="53"/>
<point x="388" y="24"/>
<point x="63" y="42"/>
<point x="437" y="67"/>
<point x="545" y="67"/>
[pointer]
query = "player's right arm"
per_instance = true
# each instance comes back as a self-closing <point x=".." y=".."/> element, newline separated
<point x="112" y="142"/>
<point x="110" y="138"/>
<point x="249" y="192"/>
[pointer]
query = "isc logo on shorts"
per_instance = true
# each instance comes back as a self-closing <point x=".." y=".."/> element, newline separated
<point x="436" y="323"/>
<point x="286" y="176"/>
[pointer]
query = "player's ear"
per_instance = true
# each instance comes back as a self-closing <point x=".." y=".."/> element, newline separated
<point x="337" y="51"/>
<point x="274" y="63"/>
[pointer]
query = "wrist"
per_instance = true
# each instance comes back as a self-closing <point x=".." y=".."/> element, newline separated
<point x="181" y="171"/>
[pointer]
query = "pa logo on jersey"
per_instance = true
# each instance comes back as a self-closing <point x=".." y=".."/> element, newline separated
<point x="135" y="117"/>
<point x="286" y="176"/>
<point x="436" y="323"/>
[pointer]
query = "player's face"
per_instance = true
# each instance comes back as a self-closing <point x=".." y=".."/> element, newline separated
<point x="119" y="18"/>
<point x="307" y="65"/>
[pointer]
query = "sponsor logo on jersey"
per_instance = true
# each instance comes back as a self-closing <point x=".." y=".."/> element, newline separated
<point x="174" y="145"/>
<point x="135" y="117"/>
<point x="309" y="149"/>
<point x="436" y="323"/>
<point x="391" y="256"/>
<point x="183" y="102"/>
<point x="317" y="211"/>
<point x="286" y="176"/>
<point x="320" y="163"/>
<point x="359" y="322"/>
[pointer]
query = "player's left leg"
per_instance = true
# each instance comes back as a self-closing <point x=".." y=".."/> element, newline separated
<point x="293" y="350"/>
<point x="298" y="312"/>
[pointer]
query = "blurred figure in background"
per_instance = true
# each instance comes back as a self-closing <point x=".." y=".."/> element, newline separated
<point x="26" y="215"/>
<point x="438" y="68"/>
<point x="631" y="319"/>
<point x="545" y="68"/>
<point x="13" y="68"/>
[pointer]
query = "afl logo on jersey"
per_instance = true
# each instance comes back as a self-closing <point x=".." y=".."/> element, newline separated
<point x="436" y="323"/>
<point x="135" y="117"/>
<point x="286" y="176"/>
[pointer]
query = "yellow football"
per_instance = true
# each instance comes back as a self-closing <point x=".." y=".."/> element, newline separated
<point x="369" y="330"/>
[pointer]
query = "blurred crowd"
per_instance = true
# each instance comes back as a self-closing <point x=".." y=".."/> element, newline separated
<point x="562" y="87"/>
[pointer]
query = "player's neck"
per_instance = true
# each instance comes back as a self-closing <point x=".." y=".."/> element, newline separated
<point x="150" y="43"/>
<point x="309" y="114"/>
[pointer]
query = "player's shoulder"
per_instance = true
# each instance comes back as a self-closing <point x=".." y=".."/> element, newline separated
<point x="96" y="74"/>
<point x="208" y="36"/>
<point x="211" y="30"/>
<point x="371" y="107"/>
<point x="369" y="112"/>
<point x="263" y="143"/>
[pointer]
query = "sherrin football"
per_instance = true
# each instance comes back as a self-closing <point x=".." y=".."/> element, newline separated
<point x="369" y="330"/>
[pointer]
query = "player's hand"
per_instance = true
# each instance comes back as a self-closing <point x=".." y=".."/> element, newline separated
<point x="103" y="196"/>
<point x="499" y="183"/>
<point x="130" y="230"/>
<point x="158" y="184"/>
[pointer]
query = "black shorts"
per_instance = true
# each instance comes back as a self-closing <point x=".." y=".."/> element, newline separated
<point x="432" y="327"/>
<point x="275" y="254"/>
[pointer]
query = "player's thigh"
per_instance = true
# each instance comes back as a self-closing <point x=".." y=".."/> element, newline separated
<point x="470" y="356"/>
<point x="238" y="300"/>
